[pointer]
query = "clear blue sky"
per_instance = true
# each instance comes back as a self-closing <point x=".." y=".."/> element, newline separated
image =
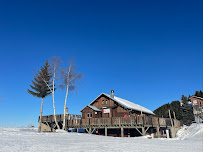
<point x="149" y="52"/>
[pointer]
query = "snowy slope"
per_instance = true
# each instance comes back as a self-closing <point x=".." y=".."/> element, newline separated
<point x="191" y="131"/>
<point x="28" y="140"/>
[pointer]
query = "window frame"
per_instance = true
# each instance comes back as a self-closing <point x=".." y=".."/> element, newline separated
<point x="89" y="115"/>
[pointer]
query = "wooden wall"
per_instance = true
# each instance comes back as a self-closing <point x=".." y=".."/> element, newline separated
<point x="87" y="110"/>
<point x="199" y="101"/>
<point x="99" y="102"/>
<point x="103" y="101"/>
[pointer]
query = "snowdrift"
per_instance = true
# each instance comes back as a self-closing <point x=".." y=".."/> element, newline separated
<point x="194" y="130"/>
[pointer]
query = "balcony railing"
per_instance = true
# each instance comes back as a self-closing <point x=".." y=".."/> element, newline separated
<point x="121" y="121"/>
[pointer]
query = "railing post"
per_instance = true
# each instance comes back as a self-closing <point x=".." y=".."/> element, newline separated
<point x="99" y="122"/>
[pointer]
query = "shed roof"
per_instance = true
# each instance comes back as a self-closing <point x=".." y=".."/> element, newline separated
<point x="127" y="104"/>
<point x="92" y="107"/>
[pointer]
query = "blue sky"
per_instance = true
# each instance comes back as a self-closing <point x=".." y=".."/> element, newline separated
<point x="149" y="52"/>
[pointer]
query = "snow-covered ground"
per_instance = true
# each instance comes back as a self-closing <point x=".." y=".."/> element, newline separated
<point x="28" y="140"/>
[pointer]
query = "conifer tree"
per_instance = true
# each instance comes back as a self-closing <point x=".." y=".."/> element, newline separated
<point x="41" y="85"/>
<point x="187" y="113"/>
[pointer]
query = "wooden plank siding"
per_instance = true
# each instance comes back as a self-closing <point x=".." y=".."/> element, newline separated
<point x="104" y="102"/>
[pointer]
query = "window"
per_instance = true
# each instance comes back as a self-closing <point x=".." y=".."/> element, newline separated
<point x="195" y="102"/>
<point x="102" y="101"/>
<point x="106" y="101"/>
<point x="89" y="115"/>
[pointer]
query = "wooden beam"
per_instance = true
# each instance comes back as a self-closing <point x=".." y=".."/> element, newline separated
<point x="86" y="130"/>
<point x="174" y="114"/>
<point x="48" y="124"/>
<point x="170" y="117"/>
<point x="146" y="129"/>
<point x="138" y="131"/>
<point x="93" y="130"/>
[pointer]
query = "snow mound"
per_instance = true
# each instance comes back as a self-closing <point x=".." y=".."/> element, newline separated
<point x="190" y="131"/>
<point x="61" y="131"/>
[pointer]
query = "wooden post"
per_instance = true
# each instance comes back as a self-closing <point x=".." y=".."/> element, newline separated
<point x="143" y="131"/>
<point x="169" y="112"/>
<point x="66" y="125"/>
<point x="122" y="132"/>
<point x="174" y="114"/>
<point x="90" y="130"/>
<point x="106" y="131"/>
<point x="141" y="111"/>
<point x="167" y="133"/>
<point x="157" y="129"/>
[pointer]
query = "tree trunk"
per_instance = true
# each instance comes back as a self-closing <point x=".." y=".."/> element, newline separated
<point x="40" y="119"/>
<point x="54" y="104"/>
<point x="64" y="117"/>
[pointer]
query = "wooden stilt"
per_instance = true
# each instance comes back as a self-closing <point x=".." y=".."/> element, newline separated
<point x="174" y="114"/>
<point x="106" y="131"/>
<point x="157" y="129"/>
<point x="122" y="132"/>
<point x="143" y="131"/>
<point x="90" y="130"/>
<point x="170" y="117"/>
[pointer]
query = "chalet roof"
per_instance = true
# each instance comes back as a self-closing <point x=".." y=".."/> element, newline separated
<point x="196" y="97"/>
<point x="127" y="104"/>
<point x="92" y="107"/>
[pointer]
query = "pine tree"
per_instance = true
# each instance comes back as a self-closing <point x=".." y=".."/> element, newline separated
<point x="187" y="113"/>
<point x="41" y="86"/>
<point x="175" y="107"/>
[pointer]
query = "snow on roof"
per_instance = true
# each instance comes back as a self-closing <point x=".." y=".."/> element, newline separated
<point x="128" y="104"/>
<point x="196" y="97"/>
<point x="94" y="108"/>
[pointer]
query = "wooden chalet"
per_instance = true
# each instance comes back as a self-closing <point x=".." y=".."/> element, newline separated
<point x="111" y="115"/>
<point x="197" y="104"/>
<point x="108" y="106"/>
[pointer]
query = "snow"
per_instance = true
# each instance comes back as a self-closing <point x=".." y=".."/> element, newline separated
<point x="190" y="131"/>
<point x="129" y="105"/>
<point x="29" y="140"/>
<point x="132" y="105"/>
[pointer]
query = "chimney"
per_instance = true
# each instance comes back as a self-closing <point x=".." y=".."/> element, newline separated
<point x="112" y="94"/>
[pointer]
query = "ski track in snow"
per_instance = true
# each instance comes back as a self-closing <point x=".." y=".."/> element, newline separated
<point x="29" y="140"/>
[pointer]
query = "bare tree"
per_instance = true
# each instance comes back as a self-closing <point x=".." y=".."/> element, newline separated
<point x="54" y="69"/>
<point x="70" y="78"/>
<point x="55" y="62"/>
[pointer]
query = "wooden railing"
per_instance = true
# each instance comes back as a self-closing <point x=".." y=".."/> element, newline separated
<point x="121" y="121"/>
<point x="115" y="121"/>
